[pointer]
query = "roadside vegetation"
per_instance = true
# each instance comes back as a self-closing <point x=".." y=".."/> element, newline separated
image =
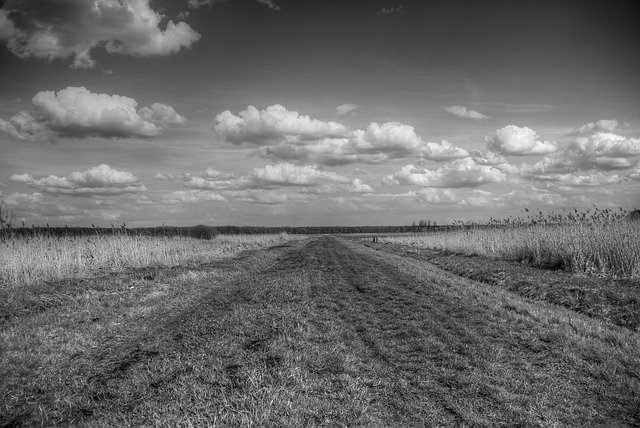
<point x="28" y="260"/>
<point x="594" y="242"/>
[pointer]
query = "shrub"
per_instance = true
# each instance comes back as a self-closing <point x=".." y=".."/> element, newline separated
<point x="202" y="232"/>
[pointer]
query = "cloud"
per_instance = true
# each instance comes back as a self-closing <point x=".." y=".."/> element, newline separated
<point x="77" y="112"/>
<point x="459" y="173"/>
<point x="16" y="198"/>
<point x="264" y="197"/>
<point x="24" y="127"/>
<point x="604" y="144"/>
<point x="51" y="29"/>
<point x="390" y="10"/>
<point x="603" y="125"/>
<point x="273" y="124"/>
<point x="270" y="4"/>
<point x="195" y="4"/>
<point x="463" y="112"/>
<point x="514" y="140"/>
<point x="98" y="180"/>
<point x="161" y="113"/>
<point x="191" y="196"/>
<point x="287" y="135"/>
<point x="600" y="151"/>
<point x="343" y="109"/>
<point x="286" y="174"/>
<point x="267" y="184"/>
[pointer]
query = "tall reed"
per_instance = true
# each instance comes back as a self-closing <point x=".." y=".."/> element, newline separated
<point x="26" y="260"/>
<point x="594" y="242"/>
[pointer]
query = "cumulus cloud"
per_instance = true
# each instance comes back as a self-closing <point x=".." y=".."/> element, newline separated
<point x="191" y="196"/>
<point x="98" y="180"/>
<point x="267" y="184"/>
<point x="287" y="135"/>
<point x="51" y="29"/>
<point x="78" y="112"/>
<point x="603" y="144"/>
<point x="459" y="173"/>
<point x="600" y="151"/>
<point x="461" y="111"/>
<point x="161" y="113"/>
<point x="343" y="109"/>
<point x="286" y="174"/>
<point x="23" y="126"/>
<point x="275" y="123"/>
<point x="603" y="125"/>
<point x="514" y="140"/>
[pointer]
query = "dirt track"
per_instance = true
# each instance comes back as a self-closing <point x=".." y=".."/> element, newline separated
<point x="334" y="332"/>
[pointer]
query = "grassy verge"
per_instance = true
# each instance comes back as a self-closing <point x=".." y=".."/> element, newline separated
<point x="605" y="249"/>
<point x="31" y="260"/>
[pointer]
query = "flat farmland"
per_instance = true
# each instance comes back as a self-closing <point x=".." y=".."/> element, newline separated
<point x="326" y="331"/>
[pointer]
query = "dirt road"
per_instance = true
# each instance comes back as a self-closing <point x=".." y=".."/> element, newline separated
<point x="333" y="332"/>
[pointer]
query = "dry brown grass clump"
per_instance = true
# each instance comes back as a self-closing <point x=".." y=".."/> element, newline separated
<point x="596" y="242"/>
<point x="28" y="260"/>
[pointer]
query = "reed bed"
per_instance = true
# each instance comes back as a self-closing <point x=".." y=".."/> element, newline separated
<point x="594" y="243"/>
<point x="28" y="260"/>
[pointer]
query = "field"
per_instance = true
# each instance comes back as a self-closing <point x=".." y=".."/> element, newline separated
<point x="605" y="249"/>
<point x="318" y="330"/>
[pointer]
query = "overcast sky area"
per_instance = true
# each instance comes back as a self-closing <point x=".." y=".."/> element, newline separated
<point x="299" y="112"/>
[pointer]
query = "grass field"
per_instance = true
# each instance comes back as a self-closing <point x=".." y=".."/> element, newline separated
<point x="607" y="247"/>
<point x="29" y="260"/>
<point x="315" y="332"/>
<point x="278" y="330"/>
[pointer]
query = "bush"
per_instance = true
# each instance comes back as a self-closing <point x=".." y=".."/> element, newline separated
<point x="202" y="232"/>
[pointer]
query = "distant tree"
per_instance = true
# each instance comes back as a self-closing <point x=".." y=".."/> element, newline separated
<point x="634" y="215"/>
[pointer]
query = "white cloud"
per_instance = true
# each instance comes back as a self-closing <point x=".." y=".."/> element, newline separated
<point x="23" y="126"/>
<point x="273" y="124"/>
<point x="51" y="29"/>
<point x="266" y="184"/>
<point x="287" y="135"/>
<point x="600" y="151"/>
<point x="390" y="10"/>
<point x="286" y="174"/>
<point x="192" y="196"/>
<point x="265" y="197"/>
<point x="603" y="125"/>
<point x="78" y="112"/>
<point x="461" y="111"/>
<point x="161" y="113"/>
<point x="514" y="140"/>
<point x="270" y="4"/>
<point x="23" y="198"/>
<point x="343" y="109"/>
<point x="195" y="4"/>
<point x="459" y="173"/>
<point x="98" y="180"/>
<point x="603" y="144"/>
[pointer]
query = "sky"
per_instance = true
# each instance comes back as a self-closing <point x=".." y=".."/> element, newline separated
<point x="301" y="112"/>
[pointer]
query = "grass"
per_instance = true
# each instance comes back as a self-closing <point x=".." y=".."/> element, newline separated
<point x="31" y="260"/>
<point x="588" y="243"/>
<point x="315" y="333"/>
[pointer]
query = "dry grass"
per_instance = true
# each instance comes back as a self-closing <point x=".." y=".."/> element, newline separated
<point x="29" y="260"/>
<point x="608" y="247"/>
